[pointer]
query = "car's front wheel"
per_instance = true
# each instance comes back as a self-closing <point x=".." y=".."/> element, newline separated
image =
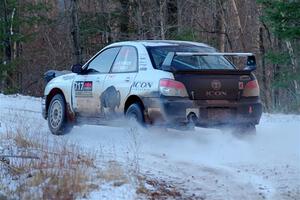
<point x="57" y="119"/>
<point x="135" y="113"/>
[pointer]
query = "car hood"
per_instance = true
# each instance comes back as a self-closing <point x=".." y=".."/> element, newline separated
<point x="61" y="76"/>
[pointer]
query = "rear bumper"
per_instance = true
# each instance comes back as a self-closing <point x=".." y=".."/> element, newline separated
<point x="208" y="112"/>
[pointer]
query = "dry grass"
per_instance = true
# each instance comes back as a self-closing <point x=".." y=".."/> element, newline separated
<point x="159" y="189"/>
<point x="113" y="172"/>
<point x="52" y="169"/>
<point x="34" y="165"/>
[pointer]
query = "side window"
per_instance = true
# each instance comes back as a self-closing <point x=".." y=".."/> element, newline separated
<point x="103" y="62"/>
<point x="126" y="60"/>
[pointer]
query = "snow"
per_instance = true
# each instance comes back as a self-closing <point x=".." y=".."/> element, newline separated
<point x="107" y="191"/>
<point x="205" y="163"/>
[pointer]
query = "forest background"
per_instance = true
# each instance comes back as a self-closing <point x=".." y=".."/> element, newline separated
<point x="38" y="35"/>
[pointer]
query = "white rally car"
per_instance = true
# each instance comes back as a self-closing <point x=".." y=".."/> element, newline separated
<point x="155" y="82"/>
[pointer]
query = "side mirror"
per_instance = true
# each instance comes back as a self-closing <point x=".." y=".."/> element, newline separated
<point x="251" y="63"/>
<point x="77" y="68"/>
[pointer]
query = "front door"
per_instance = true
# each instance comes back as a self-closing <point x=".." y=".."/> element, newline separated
<point x="88" y="86"/>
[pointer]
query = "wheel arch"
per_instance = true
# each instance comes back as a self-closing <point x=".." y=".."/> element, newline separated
<point x="132" y="99"/>
<point x="52" y="93"/>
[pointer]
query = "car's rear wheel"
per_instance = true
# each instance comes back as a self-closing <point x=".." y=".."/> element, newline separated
<point x="57" y="118"/>
<point x="135" y="113"/>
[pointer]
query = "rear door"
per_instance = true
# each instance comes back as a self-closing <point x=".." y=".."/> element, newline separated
<point x="87" y="87"/>
<point x="118" y="83"/>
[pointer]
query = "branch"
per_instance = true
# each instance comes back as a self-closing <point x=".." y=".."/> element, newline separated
<point x="16" y="156"/>
<point x="204" y="30"/>
<point x="15" y="170"/>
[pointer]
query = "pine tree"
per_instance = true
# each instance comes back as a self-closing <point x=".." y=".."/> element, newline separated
<point x="283" y="19"/>
<point x="15" y="16"/>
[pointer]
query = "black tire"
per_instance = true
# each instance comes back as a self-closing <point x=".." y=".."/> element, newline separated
<point x="135" y="112"/>
<point x="57" y="117"/>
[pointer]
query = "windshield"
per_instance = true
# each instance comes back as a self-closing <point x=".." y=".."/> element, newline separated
<point x="195" y="62"/>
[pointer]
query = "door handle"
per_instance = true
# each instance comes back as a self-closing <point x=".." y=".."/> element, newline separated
<point x="127" y="79"/>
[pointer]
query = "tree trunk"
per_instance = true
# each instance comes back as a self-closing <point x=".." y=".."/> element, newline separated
<point x="294" y="64"/>
<point x="179" y="16"/>
<point x="139" y="16"/>
<point x="162" y="18"/>
<point x="238" y="21"/>
<point x="172" y="23"/>
<point x="7" y="47"/>
<point x="124" y="20"/>
<point x="220" y="25"/>
<point x="265" y="81"/>
<point x="277" y="70"/>
<point x="75" y="31"/>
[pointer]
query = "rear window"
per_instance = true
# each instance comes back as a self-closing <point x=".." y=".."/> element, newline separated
<point x="158" y="55"/>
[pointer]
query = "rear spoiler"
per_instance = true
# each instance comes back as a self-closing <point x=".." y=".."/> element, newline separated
<point x="250" y="65"/>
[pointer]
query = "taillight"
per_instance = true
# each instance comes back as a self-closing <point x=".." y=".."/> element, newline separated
<point x="251" y="89"/>
<point x="169" y="87"/>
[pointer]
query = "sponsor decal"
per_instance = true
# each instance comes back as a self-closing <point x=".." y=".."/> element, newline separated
<point x="110" y="99"/>
<point x="143" y="64"/>
<point x="83" y="88"/>
<point x="143" y="68"/>
<point x="142" y="85"/>
<point x="216" y="85"/>
<point x="143" y="61"/>
<point x="68" y="77"/>
<point x="111" y="76"/>
<point x="143" y="56"/>
<point x="216" y="93"/>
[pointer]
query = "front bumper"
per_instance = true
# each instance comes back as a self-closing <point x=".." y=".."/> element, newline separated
<point x="208" y="112"/>
<point x="44" y="112"/>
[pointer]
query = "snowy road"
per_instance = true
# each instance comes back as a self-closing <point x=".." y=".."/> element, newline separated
<point x="206" y="163"/>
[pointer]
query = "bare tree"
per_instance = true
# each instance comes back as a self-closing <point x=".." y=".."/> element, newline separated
<point x="237" y="19"/>
<point x="220" y="24"/>
<point x="75" y="32"/>
<point x="162" y="4"/>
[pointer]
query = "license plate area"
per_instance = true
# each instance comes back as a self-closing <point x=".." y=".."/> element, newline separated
<point x="219" y="114"/>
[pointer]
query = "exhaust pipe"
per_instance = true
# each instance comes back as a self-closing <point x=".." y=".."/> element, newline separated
<point x="192" y="118"/>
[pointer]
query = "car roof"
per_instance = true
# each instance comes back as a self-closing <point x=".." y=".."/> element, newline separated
<point x="154" y="43"/>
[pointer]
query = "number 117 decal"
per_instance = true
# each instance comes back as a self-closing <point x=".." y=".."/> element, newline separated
<point x="83" y="88"/>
